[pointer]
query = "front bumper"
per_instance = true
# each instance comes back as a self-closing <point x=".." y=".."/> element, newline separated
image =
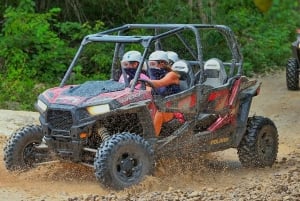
<point x="62" y="133"/>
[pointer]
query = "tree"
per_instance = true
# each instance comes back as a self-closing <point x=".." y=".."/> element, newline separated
<point x="31" y="29"/>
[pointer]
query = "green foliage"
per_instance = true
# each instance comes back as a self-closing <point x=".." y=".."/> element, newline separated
<point x="38" y="39"/>
<point x="28" y="44"/>
<point x="26" y="50"/>
<point x="265" y="38"/>
<point x="31" y="52"/>
<point x="73" y="32"/>
<point x="167" y="11"/>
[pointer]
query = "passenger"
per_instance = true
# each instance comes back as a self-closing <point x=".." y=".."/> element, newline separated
<point x="166" y="83"/>
<point x="129" y="64"/>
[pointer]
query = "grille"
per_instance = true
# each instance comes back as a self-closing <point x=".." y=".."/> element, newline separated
<point x="59" y="119"/>
<point x="82" y="114"/>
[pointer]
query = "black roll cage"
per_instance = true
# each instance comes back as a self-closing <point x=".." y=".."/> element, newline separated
<point x="118" y="36"/>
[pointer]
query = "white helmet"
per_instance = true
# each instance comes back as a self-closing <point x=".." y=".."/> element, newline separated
<point x="180" y="66"/>
<point x="159" y="55"/>
<point x="173" y="56"/>
<point x="132" y="56"/>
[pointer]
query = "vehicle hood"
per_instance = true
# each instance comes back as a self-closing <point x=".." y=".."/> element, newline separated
<point x="94" y="93"/>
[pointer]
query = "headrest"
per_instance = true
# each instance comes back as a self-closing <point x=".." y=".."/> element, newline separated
<point x="212" y="64"/>
<point x="180" y="66"/>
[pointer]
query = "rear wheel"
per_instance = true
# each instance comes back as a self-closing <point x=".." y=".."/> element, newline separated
<point x="123" y="160"/>
<point x="292" y="74"/>
<point x="21" y="150"/>
<point x="259" y="146"/>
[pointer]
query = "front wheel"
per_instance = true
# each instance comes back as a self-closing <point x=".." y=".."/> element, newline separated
<point x="21" y="150"/>
<point x="292" y="74"/>
<point x="259" y="146"/>
<point x="123" y="160"/>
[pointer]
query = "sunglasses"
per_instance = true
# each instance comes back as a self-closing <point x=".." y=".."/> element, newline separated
<point x="127" y="64"/>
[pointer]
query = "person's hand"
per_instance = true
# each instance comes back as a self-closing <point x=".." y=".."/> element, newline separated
<point x="139" y="84"/>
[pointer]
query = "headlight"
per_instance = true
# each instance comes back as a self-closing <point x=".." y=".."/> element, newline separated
<point x="98" y="109"/>
<point x="42" y="105"/>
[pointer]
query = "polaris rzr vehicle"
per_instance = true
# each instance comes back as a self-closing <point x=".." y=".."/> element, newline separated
<point x="292" y="67"/>
<point x="108" y="125"/>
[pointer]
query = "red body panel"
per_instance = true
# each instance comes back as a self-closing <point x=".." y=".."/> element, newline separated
<point x="124" y="97"/>
<point x="225" y="100"/>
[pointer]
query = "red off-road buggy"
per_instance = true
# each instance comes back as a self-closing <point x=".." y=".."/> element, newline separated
<point x="108" y="125"/>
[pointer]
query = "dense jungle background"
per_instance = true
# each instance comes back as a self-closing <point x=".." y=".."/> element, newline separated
<point x="38" y="38"/>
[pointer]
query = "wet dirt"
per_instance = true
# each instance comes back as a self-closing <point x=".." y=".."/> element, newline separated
<point x="215" y="176"/>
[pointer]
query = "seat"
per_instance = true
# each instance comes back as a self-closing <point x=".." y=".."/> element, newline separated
<point x="184" y="69"/>
<point x="214" y="72"/>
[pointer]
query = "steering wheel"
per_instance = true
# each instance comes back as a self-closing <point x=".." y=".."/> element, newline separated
<point x="149" y="83"/>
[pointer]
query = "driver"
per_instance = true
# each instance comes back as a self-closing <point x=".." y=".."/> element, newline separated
<point x="162" y="77"/>
<point x="129" y="64"/>
<point x="166" y="83"/>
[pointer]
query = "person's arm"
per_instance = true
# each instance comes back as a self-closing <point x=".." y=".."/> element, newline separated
<point x="169" y="79"/>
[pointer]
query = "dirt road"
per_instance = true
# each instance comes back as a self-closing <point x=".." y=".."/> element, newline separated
<point x="217" y="176"/>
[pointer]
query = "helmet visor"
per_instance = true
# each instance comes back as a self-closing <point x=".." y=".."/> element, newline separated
<point x="153" y="64"/>
<point x="127" y="64"/>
